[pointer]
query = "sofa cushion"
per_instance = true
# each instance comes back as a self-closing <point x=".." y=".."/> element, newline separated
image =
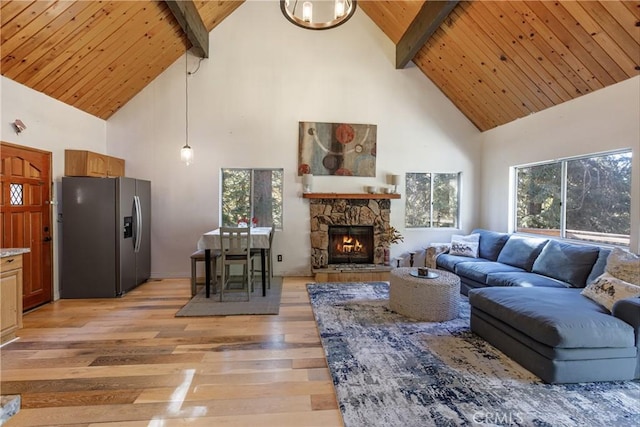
<point x="555" y="317"/>
<point x="449" y="262"/>
<point x="599" y="266"/>
<point x="479" y="271"/>
<point x="567" y="262"/>
<point x="491" y="243"/>
<point x="521" y="251"/>
<point x="523" y="279"/>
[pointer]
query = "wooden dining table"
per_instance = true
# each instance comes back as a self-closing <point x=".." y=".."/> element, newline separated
<point x="258" y="239"/>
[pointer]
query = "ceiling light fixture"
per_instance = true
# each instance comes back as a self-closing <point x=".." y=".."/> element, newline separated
<point x="318" y="14"/>
<point x="186" y="153"/>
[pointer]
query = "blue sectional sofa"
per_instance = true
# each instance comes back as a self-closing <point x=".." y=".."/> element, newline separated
<point x="525" y="298"/>
<point x="513" y="260"/>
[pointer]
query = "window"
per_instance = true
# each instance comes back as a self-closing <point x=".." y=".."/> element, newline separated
<point x="585" y="198"/>
<point x="252" y="193"/>
<point x="432" y="200"/>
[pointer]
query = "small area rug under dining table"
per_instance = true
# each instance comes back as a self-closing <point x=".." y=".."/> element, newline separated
<point x="235" y="302"/>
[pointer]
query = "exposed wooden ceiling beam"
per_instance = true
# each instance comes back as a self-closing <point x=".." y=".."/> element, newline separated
<point x="426" y="22"/>
<point x="186" y="13"/>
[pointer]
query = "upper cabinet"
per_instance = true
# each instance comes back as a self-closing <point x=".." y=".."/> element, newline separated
<point x="88" y="163"/>
<point x="115" y="166"/>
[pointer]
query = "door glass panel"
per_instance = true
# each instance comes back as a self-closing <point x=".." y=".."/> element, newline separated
<point x="16" y="194"/>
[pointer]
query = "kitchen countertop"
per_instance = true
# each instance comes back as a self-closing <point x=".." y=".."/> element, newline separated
<point x="7" y="252"/>
<point x="9" y="406"/>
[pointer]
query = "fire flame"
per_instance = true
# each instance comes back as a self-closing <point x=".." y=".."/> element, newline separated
<point x="349" y="245"/>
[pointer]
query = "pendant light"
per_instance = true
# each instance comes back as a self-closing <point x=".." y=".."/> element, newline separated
<point x="318" y="14"/>
<point x="186" y="153"/>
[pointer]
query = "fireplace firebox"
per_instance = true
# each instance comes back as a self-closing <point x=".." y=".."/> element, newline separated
<point x="352" y="244"/>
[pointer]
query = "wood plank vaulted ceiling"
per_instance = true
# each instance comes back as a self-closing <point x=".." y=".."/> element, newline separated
<point x="497" y="61"/>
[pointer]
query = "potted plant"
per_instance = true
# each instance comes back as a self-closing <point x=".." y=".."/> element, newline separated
<point x="390" y="236"/>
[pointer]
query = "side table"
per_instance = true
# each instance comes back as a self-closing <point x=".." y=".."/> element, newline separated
<point x="432" y="300"/>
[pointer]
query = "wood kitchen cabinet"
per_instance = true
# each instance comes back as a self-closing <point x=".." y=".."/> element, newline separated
<point x="115" y="166"/>
<point x="88" y="163"/>
<point x="10" y="297"/>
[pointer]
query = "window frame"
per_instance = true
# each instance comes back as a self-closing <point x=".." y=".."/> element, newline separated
<point x="251" y="193"/>
<point x="563" y="161"/>
<point x="431" y="202"/>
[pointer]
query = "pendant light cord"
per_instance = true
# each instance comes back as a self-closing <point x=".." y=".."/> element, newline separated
<point x="188" y="73"/>
<point x="186" y="90"/>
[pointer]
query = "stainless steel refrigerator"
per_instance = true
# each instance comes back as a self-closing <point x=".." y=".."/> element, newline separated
<point x="106" y="227"/>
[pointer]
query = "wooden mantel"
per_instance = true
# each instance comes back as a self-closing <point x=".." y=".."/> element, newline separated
<point x="350" y="196"/>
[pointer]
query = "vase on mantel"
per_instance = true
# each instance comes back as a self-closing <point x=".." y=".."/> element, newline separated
<point x="387" y="253"/>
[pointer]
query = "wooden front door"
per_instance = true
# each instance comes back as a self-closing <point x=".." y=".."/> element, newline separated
<point x="25" y="183"/>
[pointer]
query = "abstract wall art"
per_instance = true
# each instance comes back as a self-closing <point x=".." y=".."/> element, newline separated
<point x="345" y="149"/>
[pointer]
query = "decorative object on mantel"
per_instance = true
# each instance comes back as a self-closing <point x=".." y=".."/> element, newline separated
<point x="395" y="181"/>
<point x="343" y="149"/>
<point x="319" y="14"/>
<point x="307" y="183"/>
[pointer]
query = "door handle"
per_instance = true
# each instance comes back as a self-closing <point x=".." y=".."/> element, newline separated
<point x="138" y="236"/>
<point x="47" y="239"/>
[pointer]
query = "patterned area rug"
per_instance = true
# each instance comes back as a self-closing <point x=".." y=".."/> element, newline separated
<point x="235" y="303"/>
<point x="391" y="371"/>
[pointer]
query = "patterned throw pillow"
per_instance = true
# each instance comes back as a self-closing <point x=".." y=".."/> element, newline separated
<point x="606" y="290"/>
<point x="624" y="265"/>
<point x="465" y="245"/>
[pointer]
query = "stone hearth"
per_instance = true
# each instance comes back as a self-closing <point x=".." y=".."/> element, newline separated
<point x="338" y="211"/>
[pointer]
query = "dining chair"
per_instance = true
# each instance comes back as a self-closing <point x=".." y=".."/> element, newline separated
<point x="234" y="245"/>
<point x="198" y="256"/>
<point x="257" y="252"/>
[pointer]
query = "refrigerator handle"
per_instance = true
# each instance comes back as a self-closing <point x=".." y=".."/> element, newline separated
<point x="138" y="236"/>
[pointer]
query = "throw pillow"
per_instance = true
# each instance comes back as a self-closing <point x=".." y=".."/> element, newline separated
<point x="607" y="290"/>
<point x="465" y="245"/>
<point x="624" y="265"/>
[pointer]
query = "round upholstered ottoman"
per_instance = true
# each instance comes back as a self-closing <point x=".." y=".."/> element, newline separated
<point x="432" y="300"/>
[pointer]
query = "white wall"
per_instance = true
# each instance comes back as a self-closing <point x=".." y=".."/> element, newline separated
<point x="51" y="126"/>
<point x="604" y="120"/>
<point x="264" y="75"/>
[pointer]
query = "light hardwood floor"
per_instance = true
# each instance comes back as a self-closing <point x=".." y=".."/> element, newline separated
<point x="130" y="362"/>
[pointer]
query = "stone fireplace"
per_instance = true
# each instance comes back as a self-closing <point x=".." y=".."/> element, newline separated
<point x="345" y="212"/>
